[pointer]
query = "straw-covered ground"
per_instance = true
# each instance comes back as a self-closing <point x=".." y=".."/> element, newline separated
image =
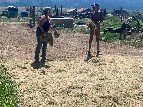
<point x="114" y="79"/>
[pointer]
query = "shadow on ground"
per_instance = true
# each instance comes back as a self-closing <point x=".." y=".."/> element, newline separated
<point x="40" y="64"/>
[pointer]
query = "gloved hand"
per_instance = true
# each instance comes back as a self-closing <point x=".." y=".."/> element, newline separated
<point x="56" y="34"/>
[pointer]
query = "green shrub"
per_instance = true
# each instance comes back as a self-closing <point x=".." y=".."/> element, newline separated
<point x="81" y="29"/>
<point x="8" y="93"/>
<point x="59" y="27"/>
<point x="110" y="37"/>
<point x="82" y="19"/>
<point x="141" y="37"/>
<point x="111" y="22"/>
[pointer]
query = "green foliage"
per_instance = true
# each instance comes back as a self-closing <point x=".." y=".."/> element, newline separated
<point x="82" y="19"/>
<point x="110" y="37"/>
<point x="133" y="23"/>
<point x="111" y="22"/>
<point x="59" y="27"/>
<point x="8" y="93"/>
<point x="136" y="41"/>
<point x="81" y="29"/>
<point x="141" y="37"/>
<point x="141" y="26"/>
<point x="4" y="19"/>
<point x="114" y="22"/>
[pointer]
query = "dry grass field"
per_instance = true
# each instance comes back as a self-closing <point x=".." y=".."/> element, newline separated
<point x="114" y="79"/>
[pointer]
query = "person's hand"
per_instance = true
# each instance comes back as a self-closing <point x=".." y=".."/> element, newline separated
<point x="56" y="34"/>
<point x="56" y="31"/>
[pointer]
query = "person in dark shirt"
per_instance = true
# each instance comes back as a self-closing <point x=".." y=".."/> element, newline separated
<point x="43" y="28"/>
<point x="96" y="18"/>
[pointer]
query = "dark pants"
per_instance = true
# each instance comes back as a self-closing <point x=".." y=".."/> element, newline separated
<point x="40" y="45"/>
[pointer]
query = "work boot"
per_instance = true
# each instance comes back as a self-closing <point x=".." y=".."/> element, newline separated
<point x="43" y="59"/>
<point x="89" y="56"/>
<point x="36" y="59"/>
<point x="97" y="54"/>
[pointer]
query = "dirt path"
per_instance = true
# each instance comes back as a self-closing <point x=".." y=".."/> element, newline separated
<point x="115" y="79"/>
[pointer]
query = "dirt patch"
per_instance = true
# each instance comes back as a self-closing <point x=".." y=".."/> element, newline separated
<point x="115" y="79"/>
<point x="19" y="42"/>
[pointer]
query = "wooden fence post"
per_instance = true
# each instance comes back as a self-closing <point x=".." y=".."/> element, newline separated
<point x="32" y="16"/>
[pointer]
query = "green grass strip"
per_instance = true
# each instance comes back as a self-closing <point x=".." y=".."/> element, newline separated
<point x="8" y="89"/>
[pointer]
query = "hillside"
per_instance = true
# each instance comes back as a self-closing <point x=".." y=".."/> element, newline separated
<point x="114" y="79"/>
<point x="108" y="4"/>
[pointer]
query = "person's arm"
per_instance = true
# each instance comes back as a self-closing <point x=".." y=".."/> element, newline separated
<point x="51" y="27"/>
<point x="101" y="17"/>
<point x="91" y="16"/>
<point x="41" y="22"/>
<point x="91" y="23"/>
<point x="56" y="34"/>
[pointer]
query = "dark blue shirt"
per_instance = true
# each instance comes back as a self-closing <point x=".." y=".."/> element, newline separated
<point x="46" y="26"/>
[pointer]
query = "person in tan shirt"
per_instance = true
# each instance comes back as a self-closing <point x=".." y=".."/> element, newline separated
<point x="96" y="18"/>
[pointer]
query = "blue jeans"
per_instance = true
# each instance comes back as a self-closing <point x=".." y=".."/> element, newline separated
<point x="40" y="45"/>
